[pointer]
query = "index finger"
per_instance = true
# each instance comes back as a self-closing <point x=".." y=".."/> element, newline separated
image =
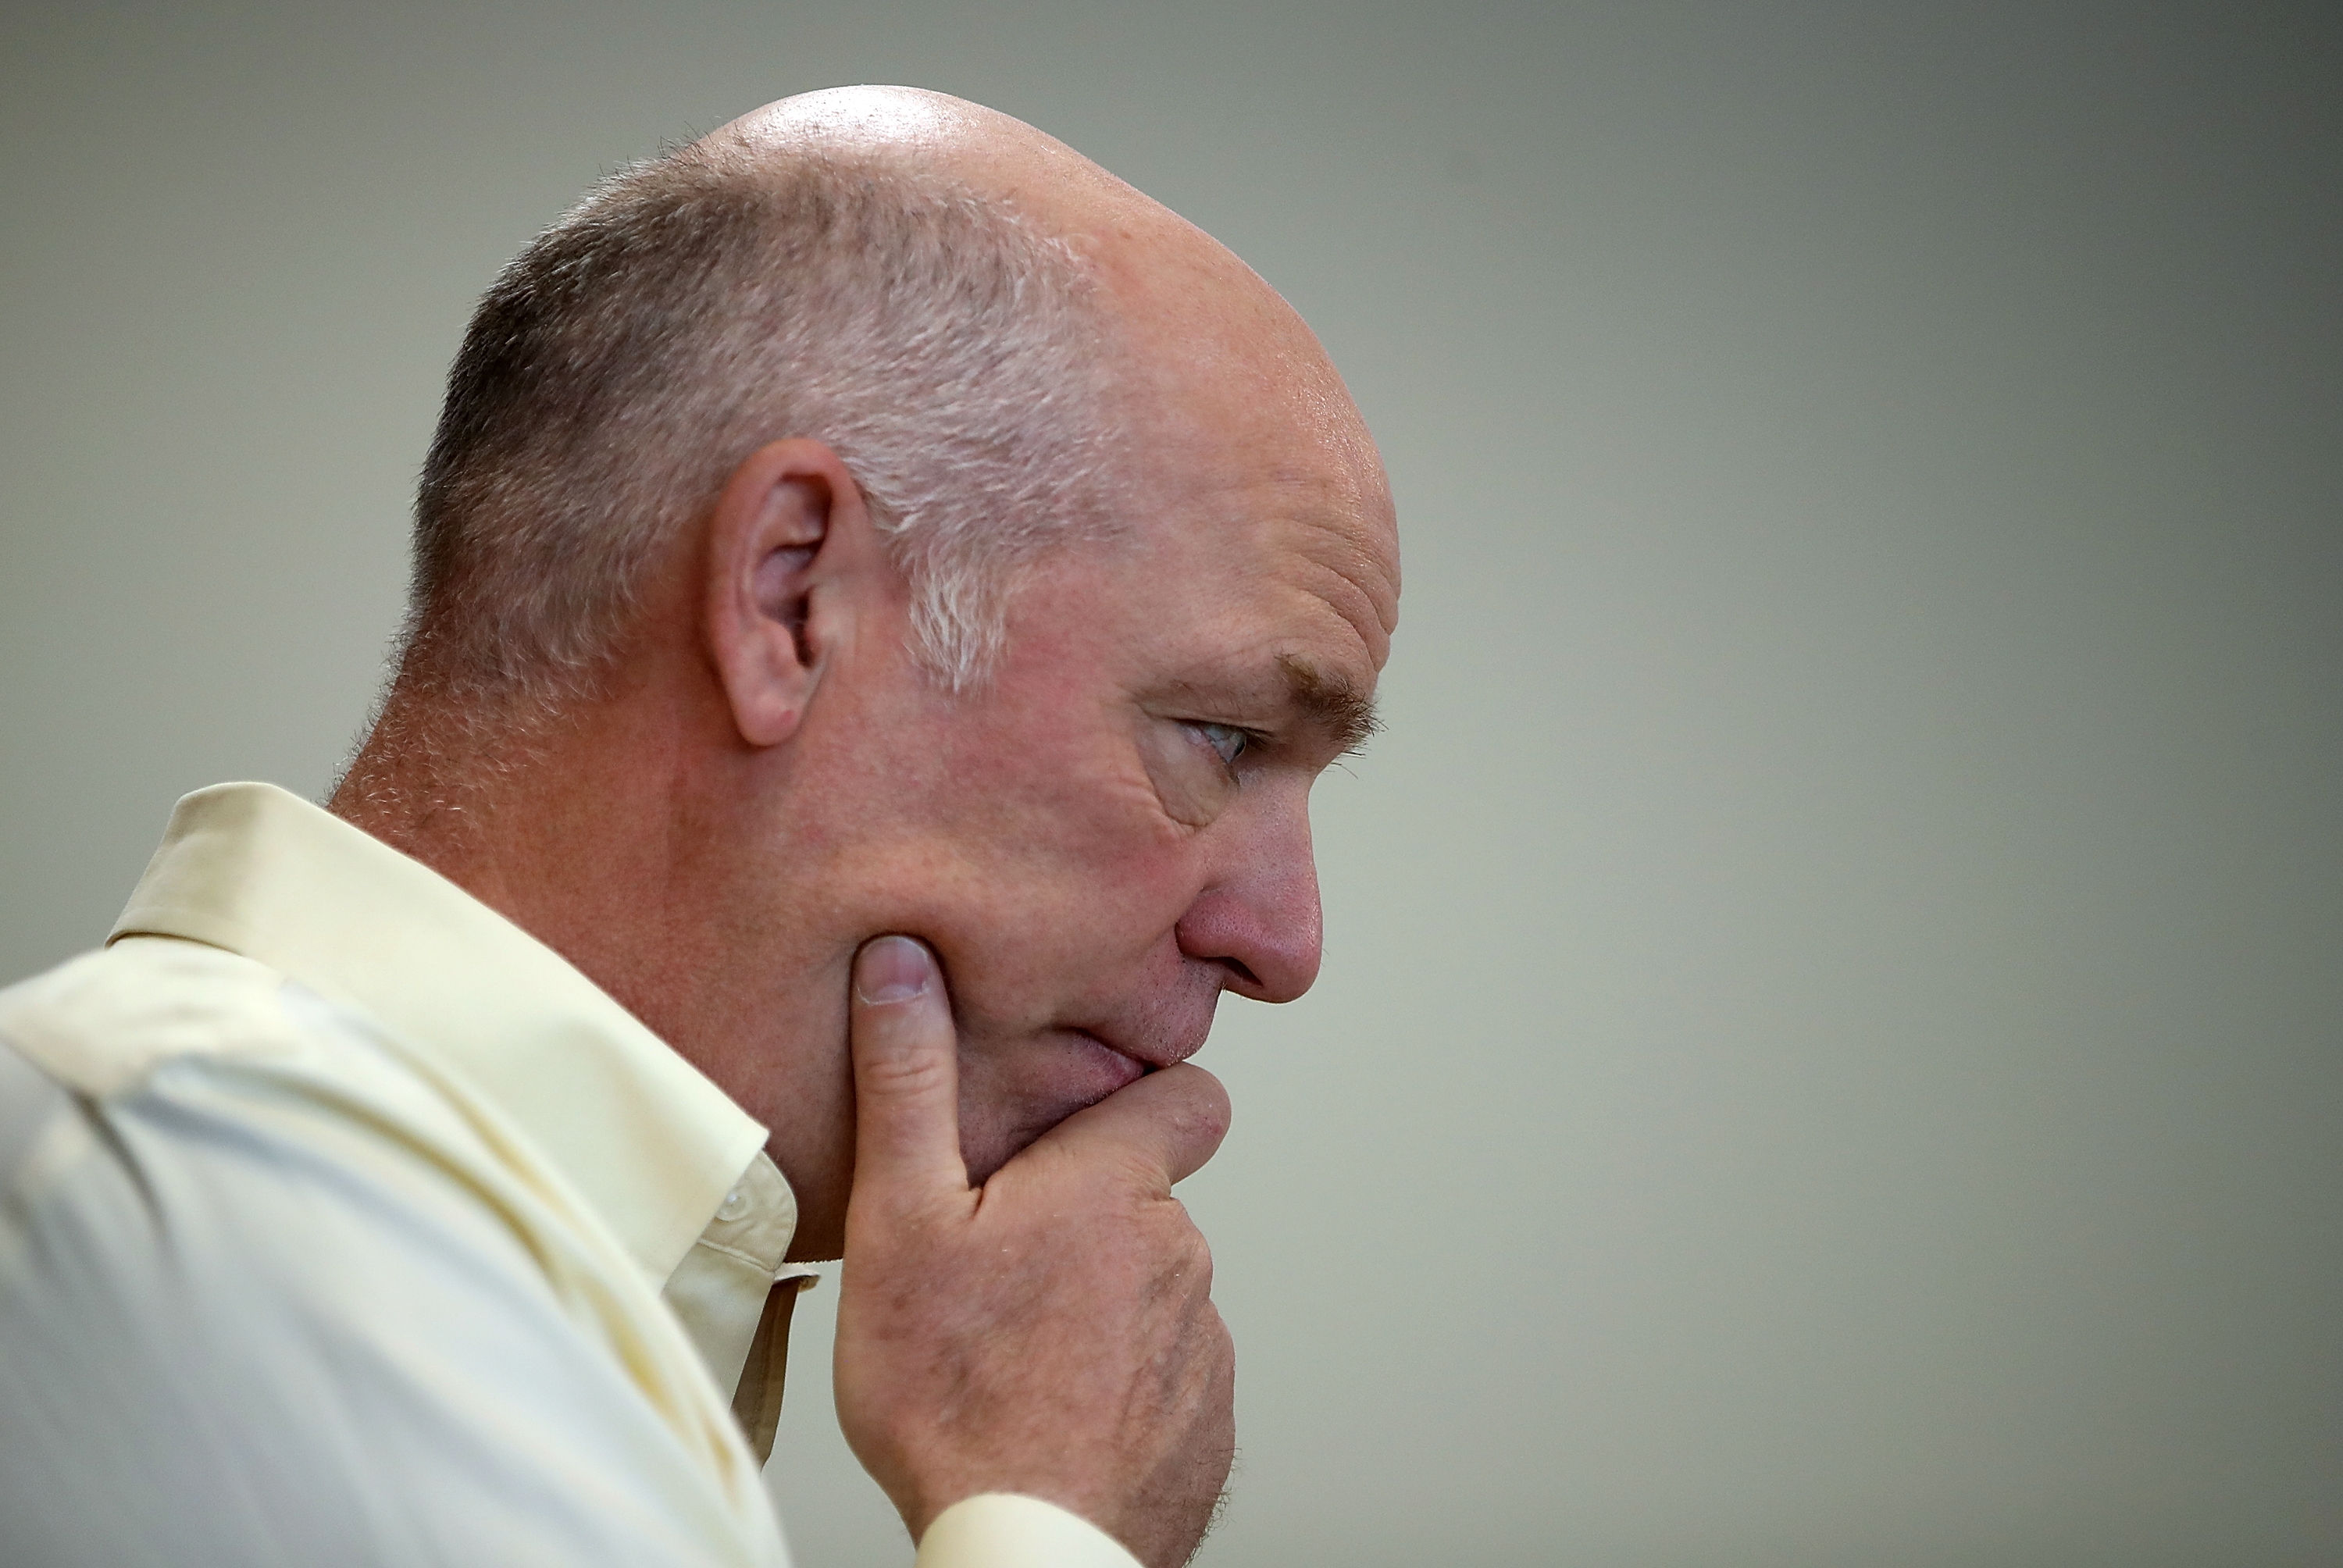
<point x="1160" y="1128"/>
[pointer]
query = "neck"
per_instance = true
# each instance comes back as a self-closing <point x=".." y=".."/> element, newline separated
<point x="524" y="811"/>
<point x="614" y="834"/>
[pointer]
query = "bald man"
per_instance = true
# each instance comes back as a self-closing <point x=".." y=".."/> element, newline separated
<point x="883" y="591"/>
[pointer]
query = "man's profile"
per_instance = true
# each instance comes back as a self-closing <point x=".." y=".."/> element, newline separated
<point x="883" y="591"/>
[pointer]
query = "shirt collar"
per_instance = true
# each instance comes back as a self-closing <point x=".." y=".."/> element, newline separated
<point x="647" y="1140"/>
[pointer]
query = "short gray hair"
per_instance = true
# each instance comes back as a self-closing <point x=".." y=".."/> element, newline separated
<point x="696" y="306"/>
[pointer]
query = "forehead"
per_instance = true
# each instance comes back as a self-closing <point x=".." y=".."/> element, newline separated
<point x="1248" y="461"/>
<point x="1252" y="582"/>
<point x="1258" y="537"/>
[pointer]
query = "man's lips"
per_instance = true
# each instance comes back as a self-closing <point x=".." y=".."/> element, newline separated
<point x="1149" y="1054"/>
<point x="1015" y="1090"/>
<point x="1156" y="1032"/>
<point x="1122" y="1064"/>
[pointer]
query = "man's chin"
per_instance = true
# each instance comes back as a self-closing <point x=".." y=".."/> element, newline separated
<point x="1012" y="1096"/>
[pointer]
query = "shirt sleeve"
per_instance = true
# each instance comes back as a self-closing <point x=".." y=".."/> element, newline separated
<point x="1002" y="1530"/>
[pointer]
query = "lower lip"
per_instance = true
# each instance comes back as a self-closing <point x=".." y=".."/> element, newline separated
<point x="1116" y="1069"/>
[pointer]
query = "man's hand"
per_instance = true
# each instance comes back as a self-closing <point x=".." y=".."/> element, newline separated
<point x="1052" y="1332"/>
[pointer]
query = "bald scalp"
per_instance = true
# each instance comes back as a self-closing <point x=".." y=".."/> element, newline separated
<point x="1183" y="299"/>
<point x="983" y="147"/>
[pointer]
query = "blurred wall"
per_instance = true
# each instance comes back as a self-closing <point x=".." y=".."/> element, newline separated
<point x="1831" y="1045"/>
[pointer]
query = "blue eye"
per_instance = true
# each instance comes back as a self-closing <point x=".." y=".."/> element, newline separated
<point x="1228" y="742"/>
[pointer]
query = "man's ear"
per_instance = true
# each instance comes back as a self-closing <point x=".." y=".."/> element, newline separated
<point x="786" y="520"/>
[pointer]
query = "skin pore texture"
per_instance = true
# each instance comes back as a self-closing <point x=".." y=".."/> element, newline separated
<point x="1093" y="845"/>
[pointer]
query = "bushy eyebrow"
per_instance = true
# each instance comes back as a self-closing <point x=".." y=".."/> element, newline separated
<point x="1330" y="703"/>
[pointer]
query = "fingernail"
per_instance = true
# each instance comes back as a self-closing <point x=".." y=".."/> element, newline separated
<point x="892" y="969"/>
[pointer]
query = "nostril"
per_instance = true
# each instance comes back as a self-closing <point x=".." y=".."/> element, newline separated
<point x="1244" y="975"/>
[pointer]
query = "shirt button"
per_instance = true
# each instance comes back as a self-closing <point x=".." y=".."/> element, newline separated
<point x="734" y="1202"/>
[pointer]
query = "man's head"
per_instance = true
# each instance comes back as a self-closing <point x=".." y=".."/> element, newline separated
<point x="775" y="277"/>
<point x="876" y="517"/>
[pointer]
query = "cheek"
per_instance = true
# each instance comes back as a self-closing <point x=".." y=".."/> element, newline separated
<point x="1065" y="808"/>
<point x="1038" y="889"/>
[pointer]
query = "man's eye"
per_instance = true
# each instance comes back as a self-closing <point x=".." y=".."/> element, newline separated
<point x="1226" y="740"/>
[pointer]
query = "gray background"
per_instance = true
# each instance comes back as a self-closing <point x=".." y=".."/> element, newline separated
<point x="1831" y="1046"/>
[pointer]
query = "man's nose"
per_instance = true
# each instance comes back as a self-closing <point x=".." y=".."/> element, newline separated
<point x="1260" y="920"/>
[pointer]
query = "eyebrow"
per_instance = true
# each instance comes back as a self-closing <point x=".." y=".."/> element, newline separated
<point x="1329" y="702"/>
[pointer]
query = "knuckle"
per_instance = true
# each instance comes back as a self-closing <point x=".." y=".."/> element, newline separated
<point x="1183" y="1260"/>
<point x="902" y="1071"/>
<point x="1188" y="1245"/>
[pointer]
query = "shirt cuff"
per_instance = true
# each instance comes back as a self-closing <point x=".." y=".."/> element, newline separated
<point x="1002" y="1530"/>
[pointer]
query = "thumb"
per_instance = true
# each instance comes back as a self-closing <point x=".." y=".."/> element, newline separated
<point x="906" y="1074"/>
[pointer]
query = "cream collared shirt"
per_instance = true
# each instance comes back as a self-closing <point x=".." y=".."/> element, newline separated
<point x="343" y="1222"/>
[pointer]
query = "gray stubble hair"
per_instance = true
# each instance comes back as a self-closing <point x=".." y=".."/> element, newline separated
<point x="694" y="307"/>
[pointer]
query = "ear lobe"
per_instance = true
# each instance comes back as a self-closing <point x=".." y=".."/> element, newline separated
<point x="769" y="537"/>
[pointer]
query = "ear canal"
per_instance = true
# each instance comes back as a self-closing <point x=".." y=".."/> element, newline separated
<point x="794" y="617"/>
